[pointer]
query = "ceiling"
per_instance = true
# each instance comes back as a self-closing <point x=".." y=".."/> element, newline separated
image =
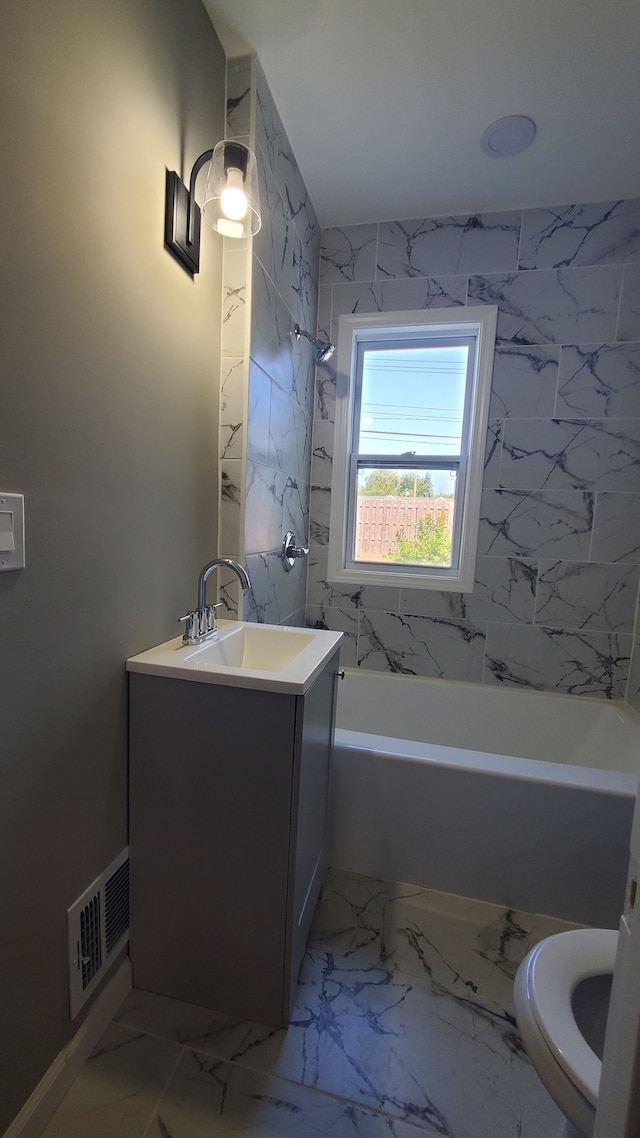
<point x="385" y="101"/>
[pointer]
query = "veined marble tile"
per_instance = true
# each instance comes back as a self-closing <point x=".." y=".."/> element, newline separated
<point x="524" y="382"/>
<point x="504" y="589"/>
<point x="264" y="500"/>
<point x="321" y="591"/>
<point x="239" y="82"/>
<point x="323" y="324"/>
<point x="348" y="254"/>
<point x="232" y="408"/>
<point x="571" y="454"/>
<point x="336" y="619"/>
<point x="493" y="453"/>
<point x="207" y="1097"/>
<point x="395" y="1043"/>
<point x="231" y="518"/>
<point x="272" y="140"/>
<point x="295" y="510"/>
<point x="210" y="1032"/>
<point x="633" y="687"/>
<point x="421" y="646"/>
<point x="118" y="1089"/>
<point x="320" y="506"/>
<point x="234" y="301"/>
<point x="536" y="523"/>
<point x="471" y="948"/>
<point x="273" y="348"/>
<point x="552" y="306"/>
<point x="599" y="380"/>
<point x="629" y="317"/>
<point x="349" y="916"/>
<point x="598" y="234"/>
<point x="480" y="243"/>
<point x="583" y="594"/>
<point x="274" y="594"/>
<point x="289" y="435"/>
<point x="325" y="404"/>
<point x="413" y="295"/>
<point x="259" y="410"/>
<point x="616" y="528"/>
<point x="272" y="244"/>
<point x="554" y="659"/>
<point x="322" y="452"/>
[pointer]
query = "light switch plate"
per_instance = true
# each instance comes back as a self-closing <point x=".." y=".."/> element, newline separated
<point x="11" y="531"/>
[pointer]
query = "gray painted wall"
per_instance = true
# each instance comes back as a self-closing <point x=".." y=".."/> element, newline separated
<point x="554" y="602"/>
<point x="108" y="422"/>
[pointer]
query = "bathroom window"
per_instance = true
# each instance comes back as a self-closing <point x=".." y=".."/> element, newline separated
<point x="411" y="423"/>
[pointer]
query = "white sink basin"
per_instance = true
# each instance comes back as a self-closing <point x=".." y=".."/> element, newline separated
<point x="267" y="656"/>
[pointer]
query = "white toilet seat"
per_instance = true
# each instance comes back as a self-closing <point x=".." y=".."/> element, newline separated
<point x="555" y="967"/>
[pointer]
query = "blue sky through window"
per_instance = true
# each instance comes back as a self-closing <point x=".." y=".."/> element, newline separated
<point x="413" y="400"/>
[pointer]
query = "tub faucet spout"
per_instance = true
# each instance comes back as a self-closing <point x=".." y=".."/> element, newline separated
<point x="201" y="622"/>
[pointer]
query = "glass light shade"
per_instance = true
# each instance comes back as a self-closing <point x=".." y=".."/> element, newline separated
<point x="231" y="202"/>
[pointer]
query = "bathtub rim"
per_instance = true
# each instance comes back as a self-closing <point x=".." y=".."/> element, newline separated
<point x="617" y="783"/>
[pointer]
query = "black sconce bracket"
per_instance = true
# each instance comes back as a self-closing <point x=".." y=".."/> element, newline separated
<point x="182" y="217"/>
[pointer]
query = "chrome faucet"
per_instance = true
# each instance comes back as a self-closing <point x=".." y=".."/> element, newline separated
<point x="201" y="622"/>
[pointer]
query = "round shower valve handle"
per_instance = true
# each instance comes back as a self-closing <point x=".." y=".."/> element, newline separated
<point x="291" y="551"/>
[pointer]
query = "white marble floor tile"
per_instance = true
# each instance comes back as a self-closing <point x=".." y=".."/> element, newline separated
<point x="470" y="948"/>
<point x="118" y="1089"/>
<point x="403" y="1027"/>
<point x="349" y="916"/>
<point x="207" y="1098"/>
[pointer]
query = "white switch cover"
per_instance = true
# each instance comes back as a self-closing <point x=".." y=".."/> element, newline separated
<point x="11" y="531"/>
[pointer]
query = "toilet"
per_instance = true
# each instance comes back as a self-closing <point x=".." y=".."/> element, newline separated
<point x="561" y="996"/>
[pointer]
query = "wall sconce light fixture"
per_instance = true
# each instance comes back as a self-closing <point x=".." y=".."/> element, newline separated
<point x="230" y="205"/>
<point x="324" y="350"/>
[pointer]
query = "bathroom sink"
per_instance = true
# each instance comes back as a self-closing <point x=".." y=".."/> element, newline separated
<point x="267" y="656"/>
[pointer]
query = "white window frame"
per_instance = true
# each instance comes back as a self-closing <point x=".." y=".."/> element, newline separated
<point x="477" y="323"/>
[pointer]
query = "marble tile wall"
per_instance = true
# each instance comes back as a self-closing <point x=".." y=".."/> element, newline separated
<point x="555" y="597"/>
<point x="268" y="378"/>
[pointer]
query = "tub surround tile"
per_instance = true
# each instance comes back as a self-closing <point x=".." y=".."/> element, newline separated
<point x="616" y="528"/>
<point x="552" y="306"/>
<point x="239" y="89"/>
<point x="504" y="590"/>
<point x="232" y="409"/>
<point x="536" y="523"/>
<point x="274" y="594"/>
<point x="559" y="454"/>
<point x="524" y="382"/>
<point x="289" y="434"/>
<point x="633" y="686"/>
<point x="548" y="659"/>
<point x="421" y="646"/>
<point x="348" y="254"/>
<point x="493" y="453"/>
<point x="321" y="591"/>
<point x="336" y="619"/>
<point x="258" y="415"/>
<point x="234" y="302"/>
<point x="396" y="295"/>
<point x="580" y="594"/>
<point x="599" y="234"/>
<point x="563" y="437"/>
<point x="432" y="246"/>
<point x="629" y="317"/>
<point x="599" y="380"/>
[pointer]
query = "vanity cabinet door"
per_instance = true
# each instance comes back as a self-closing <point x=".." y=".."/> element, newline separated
<point x="315" y="716"/>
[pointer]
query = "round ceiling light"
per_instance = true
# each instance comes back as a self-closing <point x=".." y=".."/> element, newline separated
<point x="508" y="136"/>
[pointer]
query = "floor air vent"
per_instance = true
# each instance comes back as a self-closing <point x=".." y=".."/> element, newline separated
<point x="98" y="928"/>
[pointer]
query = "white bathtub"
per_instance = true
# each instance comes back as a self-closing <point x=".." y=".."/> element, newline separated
<point x="521" y="798"/>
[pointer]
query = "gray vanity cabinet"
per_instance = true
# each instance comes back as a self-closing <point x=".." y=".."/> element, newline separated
<point x="228" y="838"/>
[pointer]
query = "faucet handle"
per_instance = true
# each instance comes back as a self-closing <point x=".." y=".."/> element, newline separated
<point x="192" y="629"/>
<point x="210" y="614"/>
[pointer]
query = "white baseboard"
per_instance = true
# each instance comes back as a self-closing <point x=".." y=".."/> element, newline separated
<point x="53" y="1086"/>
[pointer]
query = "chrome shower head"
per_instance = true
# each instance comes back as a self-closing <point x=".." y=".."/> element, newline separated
<point x="324" y="350"/>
